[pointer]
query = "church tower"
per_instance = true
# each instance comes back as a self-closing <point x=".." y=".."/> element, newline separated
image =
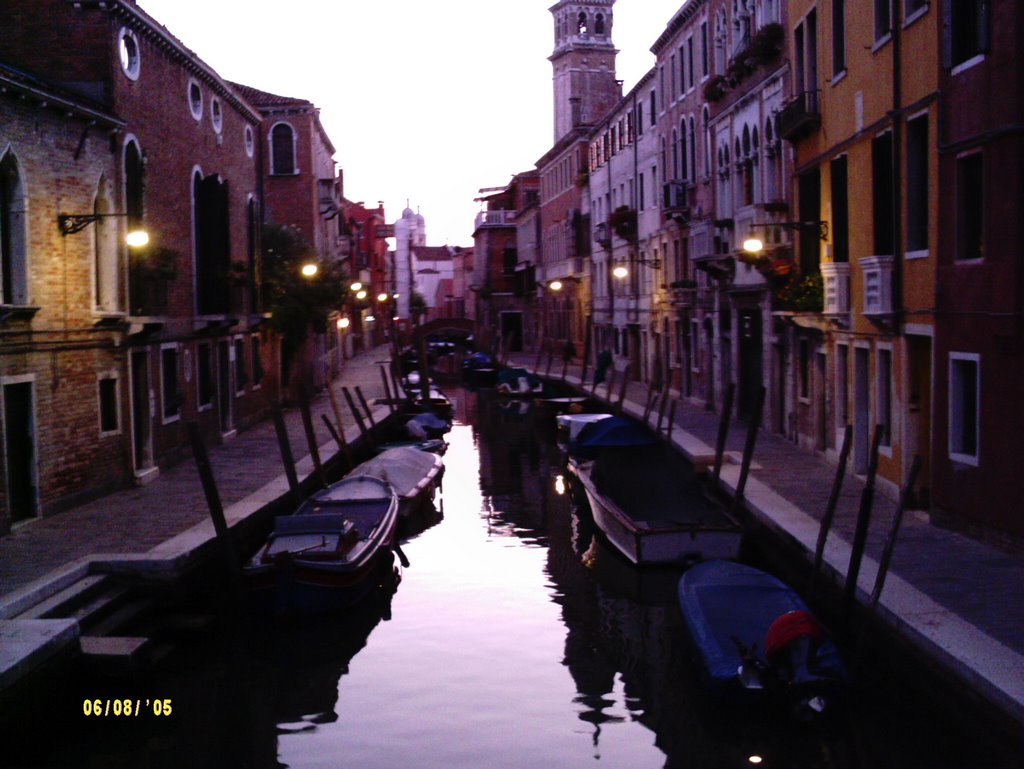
<point x="583" y="62"/>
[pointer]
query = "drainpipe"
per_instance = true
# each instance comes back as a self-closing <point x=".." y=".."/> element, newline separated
<point x="897" y="173"/>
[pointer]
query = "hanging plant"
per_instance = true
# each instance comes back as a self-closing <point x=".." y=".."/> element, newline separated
<point x="806" y="295"/>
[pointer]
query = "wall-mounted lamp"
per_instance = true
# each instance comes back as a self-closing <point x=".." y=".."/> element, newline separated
<point x="343" y="323"/>
<point x="622" y="271"/>
<point x="357" y="286"/>
<point x="382" y="297"/>
<point x="360" y="295"/>
<point x="555" y="285"/>
<point x="69" y="224"/>
<point x="309" y="270"/>
<point x="754" y="245"/>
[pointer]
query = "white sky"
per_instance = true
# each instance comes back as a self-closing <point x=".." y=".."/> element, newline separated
<point x="425" y="101"/>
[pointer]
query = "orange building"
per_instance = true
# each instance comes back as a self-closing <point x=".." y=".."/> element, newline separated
<point x="862" y="119"/>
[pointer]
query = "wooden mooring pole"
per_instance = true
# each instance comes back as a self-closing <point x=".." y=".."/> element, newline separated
<point x="622" y="389"/>
<point x="314" y="451"/>
<point x="213" y="502"/>
<point x="860" y="535"/>
<point x="387" y="390"/>
<point x="748" y="450"/>
<point x="723" y="429"/>
<point x="830" y="507"/>
<point x="424" y="394"/>
<point x="285" y="447"/>
<point x="355" y="411"/>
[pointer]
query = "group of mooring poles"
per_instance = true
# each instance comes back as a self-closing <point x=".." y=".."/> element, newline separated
<point x="360" y="410"/>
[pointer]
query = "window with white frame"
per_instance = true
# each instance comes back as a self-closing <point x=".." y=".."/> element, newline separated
<point x="883" y="19"/>
<point x="106" y="275"/>
<point x="917" y="184"/>
<point x="967" y="31"/>
<point x="282" y="150"/>
<point x="216" y="115"/>
<point x="107" y="391"/>
<point x="964" y="406"/>
<point x="195" y="99"/>
<point x="128" y="51"/>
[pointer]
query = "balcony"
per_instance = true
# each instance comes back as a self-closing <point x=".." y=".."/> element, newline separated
<point x="497" y="218"/>
<point x="799" y="117"/>
<point x="835" y="277"/>
<point x="676" y="201"/>
<point x="877" y="272"/>
<point x="601" y="234"/>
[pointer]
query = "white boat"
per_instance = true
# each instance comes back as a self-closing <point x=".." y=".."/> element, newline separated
<point x="412" y="473"/>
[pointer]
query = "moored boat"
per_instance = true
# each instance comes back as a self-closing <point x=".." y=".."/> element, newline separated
<point x="323" y="557"/>
<point x="730" y="610"/>
<point x="412" y="473"/>
<point x="645" y="498"/>
<point x="518" y="383"/>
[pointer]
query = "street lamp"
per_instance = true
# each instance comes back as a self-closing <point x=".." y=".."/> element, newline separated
<point x="382" y="297"/>
<point x="555" y="285"/>
<point x="357" y="286"/>
<point x="754" y="245"/>
<point x="69" y="224"/>
<point x="621" y="271"/>
<point x="309" y="269"/>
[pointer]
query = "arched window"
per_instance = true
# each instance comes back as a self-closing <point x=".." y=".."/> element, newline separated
<point x="282" y="150"/>
<point x="693" y="150"/>
<point x="675" y="154"/>
<point x="13" y="252"/>
<point x="581" y="24"/>
<point x="682" y="150"/>
<point x="599" y="24"/>
<point x="706" y="120"/>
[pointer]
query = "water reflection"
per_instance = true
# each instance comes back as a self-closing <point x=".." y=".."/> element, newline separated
<point x="516" y="638"/>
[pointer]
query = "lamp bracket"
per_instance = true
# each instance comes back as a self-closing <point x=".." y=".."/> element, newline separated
<point x="820" y="225"/>
<point x="69" y="224"/>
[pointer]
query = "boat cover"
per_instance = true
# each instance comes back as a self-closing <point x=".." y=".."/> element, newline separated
<point x="724" y="600"/>
<point x="407" y="469"/>
<point x="611" y="432"/>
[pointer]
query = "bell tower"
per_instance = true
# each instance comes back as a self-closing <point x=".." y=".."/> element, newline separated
<point x="583" y="61"/>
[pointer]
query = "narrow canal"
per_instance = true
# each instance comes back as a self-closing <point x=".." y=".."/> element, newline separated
<point x="513" y="639"/>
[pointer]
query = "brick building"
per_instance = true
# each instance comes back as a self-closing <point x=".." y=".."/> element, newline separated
<point x="174" y="149"/>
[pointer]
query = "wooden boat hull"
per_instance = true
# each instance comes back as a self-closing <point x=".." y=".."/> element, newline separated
<point x="680" y="528"/>
<point x="323" y="558"/>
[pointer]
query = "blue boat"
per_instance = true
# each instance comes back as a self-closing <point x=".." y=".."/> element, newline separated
<point x="519" y="383"/>
<point x="756" y="641"/>
<point x="599" y="433"/>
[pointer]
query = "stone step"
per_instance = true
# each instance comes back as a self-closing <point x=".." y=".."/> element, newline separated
<point x="114" y="655"/>
<point x="68" y="600"/>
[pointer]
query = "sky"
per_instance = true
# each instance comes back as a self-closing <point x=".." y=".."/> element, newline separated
<point x="425" y="102"/>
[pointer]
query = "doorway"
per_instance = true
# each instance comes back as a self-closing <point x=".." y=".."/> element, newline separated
<point x="20" y="451"/>
<point x="512" y="331"/>
<point x="750" y="361"/>
<point x="861" y="409"/>
<point x="224" y="400"/>
<point x="142" y="411"/>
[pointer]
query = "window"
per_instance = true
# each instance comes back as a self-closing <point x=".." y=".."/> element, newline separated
<point x="883" y="378"/>
<point x="966" y="34"/>
<point x="882" y="188"/>
<point x="838" y="37"/>
<point x="282" y="148"/>
<point x="883" y="19"/>
<point x="912" y="7"/>
<point x="128" y="49"/>
<point x="640" y="119"/>
<point x="216" y="115"/>
<point x="689" y="63"/>
<point x="13" y="252"/>
<point x="250" y="143"/>
<point x="171" y="395"/>
<point x="204" y="376"/>
<point x="642" y="200"/>
<point x="970" y="215"/>
<point x="917" y="184"/>
<point x="653" y="105"/>
<point x="110" y="423"/>
<point x="704" y="49"/>
<point x="964" y="406"/>
<point x="195" y="99"/>
<point x="840" y="209"/>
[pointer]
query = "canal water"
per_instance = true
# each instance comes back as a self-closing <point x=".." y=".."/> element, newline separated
<point x="513" y="639"/>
